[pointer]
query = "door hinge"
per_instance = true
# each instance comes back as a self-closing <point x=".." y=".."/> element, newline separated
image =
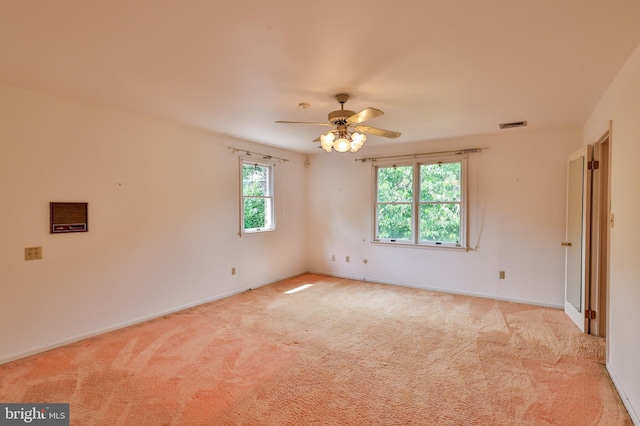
<point x="593" y="165"/>
<point x="589" y="314"/>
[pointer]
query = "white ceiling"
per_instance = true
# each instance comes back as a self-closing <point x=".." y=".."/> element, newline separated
<point x="436" y="68"/>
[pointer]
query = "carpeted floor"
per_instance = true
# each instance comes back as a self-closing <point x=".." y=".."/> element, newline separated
<point x="339" y="352"/>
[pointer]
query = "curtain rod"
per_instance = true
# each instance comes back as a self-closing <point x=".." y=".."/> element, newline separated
<point x="456" y="152"/>
<point x="250" y="153"/>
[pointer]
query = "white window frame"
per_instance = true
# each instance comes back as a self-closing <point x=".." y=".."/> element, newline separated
<point x="270" y="212"/>
<point x="415" y="203"/>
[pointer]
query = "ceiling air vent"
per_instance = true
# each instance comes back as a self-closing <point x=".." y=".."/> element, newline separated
<point x="513" y="124"/>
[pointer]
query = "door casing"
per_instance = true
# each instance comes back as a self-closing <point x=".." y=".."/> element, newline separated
<point x="587" y="251"/>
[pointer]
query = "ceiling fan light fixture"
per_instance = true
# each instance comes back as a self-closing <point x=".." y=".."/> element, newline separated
<point x="342" y="141"/>
<point x="357" y="141"/>
<point x="348" y="135"/>
<point x="326" y="140"/>
<point x="342" y="144"/>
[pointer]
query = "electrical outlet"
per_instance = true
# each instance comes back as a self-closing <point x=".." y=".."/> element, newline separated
<point x="233" y="270"/>
<point x="32" y="253"/>
<point x="501" y="275"/>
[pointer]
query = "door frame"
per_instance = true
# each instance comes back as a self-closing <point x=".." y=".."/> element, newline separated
<point x="601" y="223"/>
<point x="597" y="221"/>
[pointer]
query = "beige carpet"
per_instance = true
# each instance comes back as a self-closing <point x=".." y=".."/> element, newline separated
<point x="340" y="352"/>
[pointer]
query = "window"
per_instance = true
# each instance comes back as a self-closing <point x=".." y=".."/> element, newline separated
<point x="421" y="202"/>
<point x="257" y="206"/>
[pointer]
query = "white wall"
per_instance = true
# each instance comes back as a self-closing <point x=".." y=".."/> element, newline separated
<point x="517" y="218"/>
<point x="621" y="105"/>
<point x="163" y="212"/>
<point x="163" y="220"/>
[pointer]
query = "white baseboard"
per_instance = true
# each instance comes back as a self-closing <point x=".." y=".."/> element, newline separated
<point x="83" y="336"/>
<point x="77" y="338"/>
<point x="623" y="396"/>
<point x="445" y="290"/>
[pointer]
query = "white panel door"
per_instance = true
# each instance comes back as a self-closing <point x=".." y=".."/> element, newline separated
<point x="576" y="270"/>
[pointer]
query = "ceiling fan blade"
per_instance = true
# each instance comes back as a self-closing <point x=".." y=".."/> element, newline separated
<point x="316" y="139"/>
<point x="364" y="115"/>
<point x="378" y="132"/>
<point x="305" y="122"/>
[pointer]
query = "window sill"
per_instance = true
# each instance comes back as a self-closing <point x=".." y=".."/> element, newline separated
<point x="252" y="233"/>
<point x="420" y="246"/>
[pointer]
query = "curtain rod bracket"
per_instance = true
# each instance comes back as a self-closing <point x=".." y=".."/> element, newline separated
<point x="454" y="152"/>
<point x="250" y="153"/>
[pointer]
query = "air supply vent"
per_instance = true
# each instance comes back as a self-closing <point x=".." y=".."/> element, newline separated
<point x="513" y="124"/>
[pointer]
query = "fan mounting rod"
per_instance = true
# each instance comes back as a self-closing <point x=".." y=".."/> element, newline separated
<point x="342" y="98"/>
<point x="339" y="117"/>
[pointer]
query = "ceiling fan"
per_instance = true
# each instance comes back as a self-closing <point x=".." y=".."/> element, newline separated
<point x="348" y="134"/>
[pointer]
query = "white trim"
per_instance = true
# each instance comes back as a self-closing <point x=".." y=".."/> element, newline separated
<point x="434" y="246"/>
<point x="270" y="166"/>
<point x="623" y="396"/>
<point x="139" y="320"/>
<point x="443" y="290"/>
<point x="83" y="336"/>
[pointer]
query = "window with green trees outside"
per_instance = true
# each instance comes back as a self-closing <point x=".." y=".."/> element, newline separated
<point x="257" y="208"/>
<point x="421" y="202"/>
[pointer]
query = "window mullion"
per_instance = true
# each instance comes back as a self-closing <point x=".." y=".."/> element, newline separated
<point x="415" y="203"/>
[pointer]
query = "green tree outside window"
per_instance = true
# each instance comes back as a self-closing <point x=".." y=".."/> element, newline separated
<point x="434" y="216"/>
<point x="257" y="198"/>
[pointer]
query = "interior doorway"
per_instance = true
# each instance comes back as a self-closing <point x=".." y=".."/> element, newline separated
<point x="589" y="221"/>
<point x="601" y="223"/>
